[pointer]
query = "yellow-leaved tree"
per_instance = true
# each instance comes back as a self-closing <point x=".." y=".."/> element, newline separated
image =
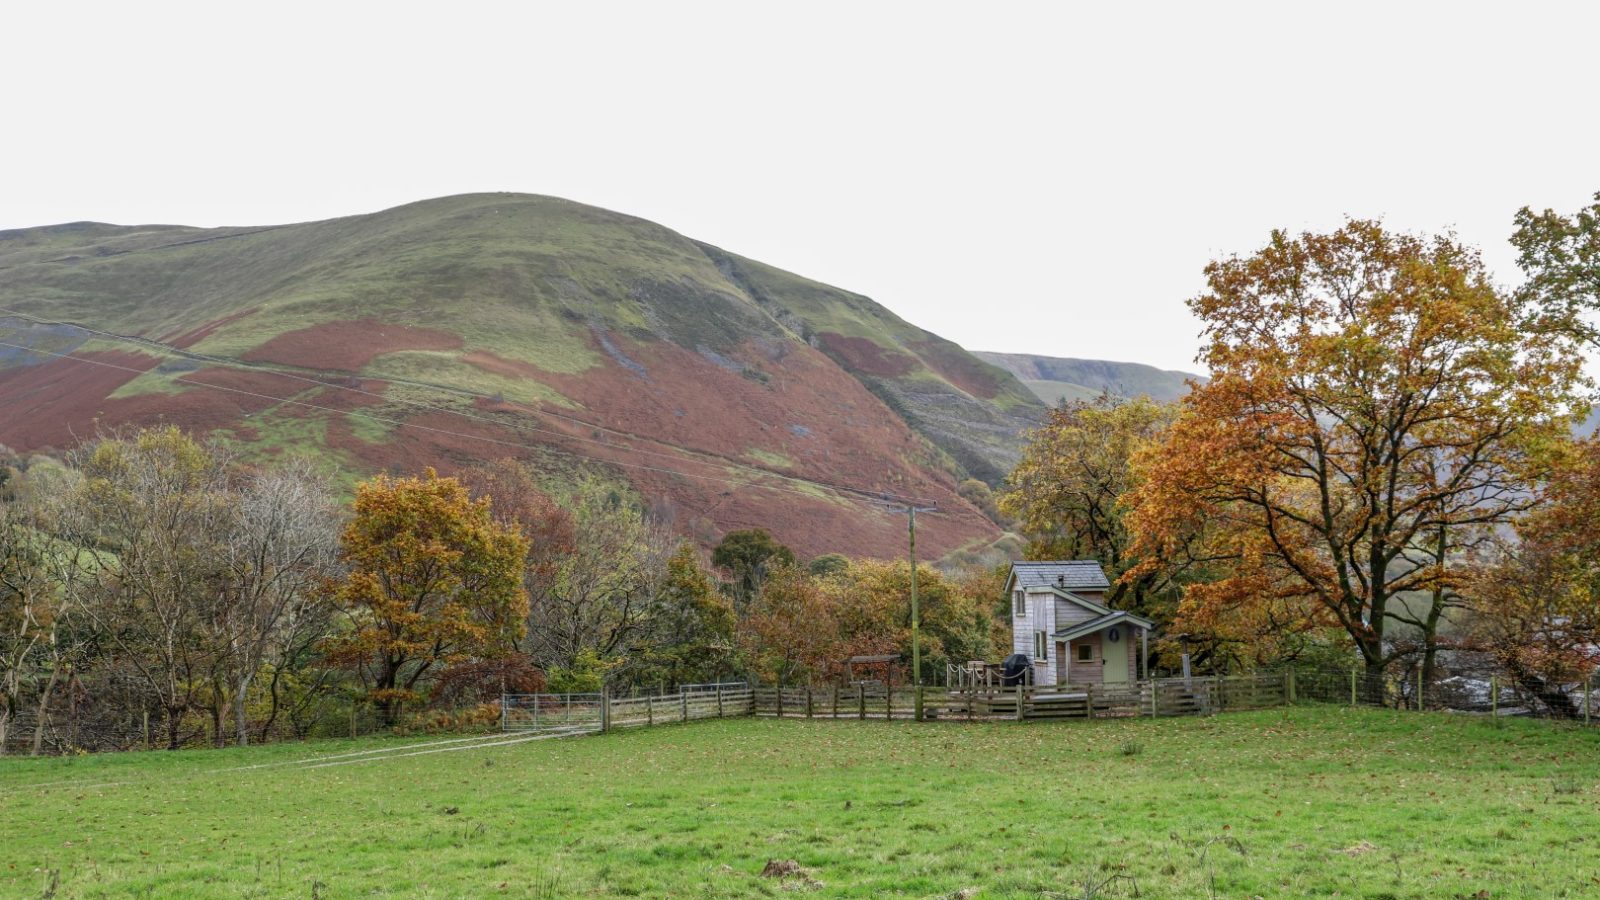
<point x="432" y="580"/>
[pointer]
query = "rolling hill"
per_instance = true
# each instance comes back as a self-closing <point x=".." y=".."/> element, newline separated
<point x="727" y="392"/>
<point x="1054" y="379"/>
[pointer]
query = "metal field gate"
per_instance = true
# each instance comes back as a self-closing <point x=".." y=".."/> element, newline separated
<point x="553" y="713"/>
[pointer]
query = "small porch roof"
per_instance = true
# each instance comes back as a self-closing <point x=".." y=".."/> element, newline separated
<point x="1120" y="617"/>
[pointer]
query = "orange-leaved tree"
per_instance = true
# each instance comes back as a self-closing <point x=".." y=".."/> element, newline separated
<point x="432" y="580"/>
<point x="1540" y="612"/>
<point x="1377" y="409"/>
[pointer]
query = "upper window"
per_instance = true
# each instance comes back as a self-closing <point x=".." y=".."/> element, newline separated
<point x="1019" y="601"/>
<point x="1041" y="645"/>
<point x="1085" y="653"/>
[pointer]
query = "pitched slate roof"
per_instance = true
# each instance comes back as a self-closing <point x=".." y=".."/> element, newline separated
<point x="1073" y="574"/>
<point x="1090" y="627"/>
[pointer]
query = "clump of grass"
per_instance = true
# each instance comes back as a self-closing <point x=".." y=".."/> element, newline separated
<point x="1131" y="748"/>
<point x="1565" y="786"/>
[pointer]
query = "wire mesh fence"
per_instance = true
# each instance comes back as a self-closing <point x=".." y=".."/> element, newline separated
<point x="575" y="713"/>
<point x="1474" y="690"/>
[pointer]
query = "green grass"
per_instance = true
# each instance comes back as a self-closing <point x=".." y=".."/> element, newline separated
<point x="431" y="367"/>
<point x="1311" y="801"/>
<point x="1054" y="392"/>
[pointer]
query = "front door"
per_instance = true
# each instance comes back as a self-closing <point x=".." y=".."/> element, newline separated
<point x="1061" y="663"/>
<point x="1114" y="647"/>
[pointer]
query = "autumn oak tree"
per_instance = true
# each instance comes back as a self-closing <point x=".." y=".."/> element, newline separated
<point x="432" y="579"/>
<point x="1377" y="408"/>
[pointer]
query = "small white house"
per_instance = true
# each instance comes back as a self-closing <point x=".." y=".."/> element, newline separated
<point x="1059" y="620"/>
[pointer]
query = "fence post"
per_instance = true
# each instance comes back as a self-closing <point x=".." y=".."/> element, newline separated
<point x="1088" y="702"/>
<point x="535" y="710"/>
<point x="353" y="705"/>
<point x="505" y="714"/>
<point x="836" y="700"/>
<point x="605" y="709"/>
<point x="1152" y="698"/>
<point x="888" y="701"/>
<point x="684" y="696"/>
<point x="1419" y="689"/>
<point x="861" y="700"/>
<point x="808" y="701"/>
<point x="147" y="729"/>
<point x="1021" y="697"/>
<point x="1291" y="686"/>
<point x="719" y="701"/>
<point x="1352" y="687"/>
<point x="649" y="709"/>
<point x="780" y="699"/>
<point x="1588" y="688"/>
<point x="1494" y="697"/>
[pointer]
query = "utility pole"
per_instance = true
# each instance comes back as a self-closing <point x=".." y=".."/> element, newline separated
<point x="911" y="509"/>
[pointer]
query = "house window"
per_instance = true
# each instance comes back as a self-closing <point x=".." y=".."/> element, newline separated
<point x="1041" y="645"/>
<point x="1085" y="653"/>
<point x="1019" y="600"/>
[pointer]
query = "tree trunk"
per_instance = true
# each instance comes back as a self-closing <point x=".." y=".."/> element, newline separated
<point x="239" y="728"/>
<point x="174" y="724"/>
<point x="272" y="708"/>
<point x="44" y="707"/>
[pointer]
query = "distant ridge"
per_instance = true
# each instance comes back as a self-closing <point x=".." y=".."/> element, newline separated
<point x="1053" y="379"/>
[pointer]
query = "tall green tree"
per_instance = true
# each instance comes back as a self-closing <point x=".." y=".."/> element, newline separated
<point x="750" y="556"/>
<point x="690" y="638"/>
<point x="1561" y="257"/>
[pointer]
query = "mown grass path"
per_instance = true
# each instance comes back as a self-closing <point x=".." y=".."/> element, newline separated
<point x="1308" y="801"/>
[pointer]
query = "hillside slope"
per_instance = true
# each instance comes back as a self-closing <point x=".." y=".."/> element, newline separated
<point x="729" y="393"/>
<point x="1053" y="379"/>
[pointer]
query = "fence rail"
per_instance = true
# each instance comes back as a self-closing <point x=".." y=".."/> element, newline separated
<point x="973" y="702"/>
<point x="587" y="713"/>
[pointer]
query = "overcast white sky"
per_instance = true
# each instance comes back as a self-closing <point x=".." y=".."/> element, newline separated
<point x="1036" y="178"/>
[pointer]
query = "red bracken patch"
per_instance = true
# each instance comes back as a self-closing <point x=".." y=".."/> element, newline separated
<point x="695" y="412"/>
<point x="52" y="404"/>
<point x="960" y="368"/>
<point x="862" y="355"/>
<point x="348" y="346"/>
<point x="802" y="407"/>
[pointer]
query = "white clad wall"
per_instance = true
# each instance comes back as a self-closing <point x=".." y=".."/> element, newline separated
<point x="1039" y="614"/>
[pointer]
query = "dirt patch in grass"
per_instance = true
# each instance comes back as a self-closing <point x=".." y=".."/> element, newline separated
<point x="348" y="346"/>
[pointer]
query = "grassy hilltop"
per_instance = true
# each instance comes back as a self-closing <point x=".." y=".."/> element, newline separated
<point x="567" y="333"/>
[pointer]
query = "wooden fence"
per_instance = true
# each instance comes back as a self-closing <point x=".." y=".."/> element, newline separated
<point x="577" y="713"/>
<point x="1158" y="697"/>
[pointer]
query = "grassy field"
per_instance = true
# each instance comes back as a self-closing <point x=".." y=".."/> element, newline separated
<point x="1308" y="801"/>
